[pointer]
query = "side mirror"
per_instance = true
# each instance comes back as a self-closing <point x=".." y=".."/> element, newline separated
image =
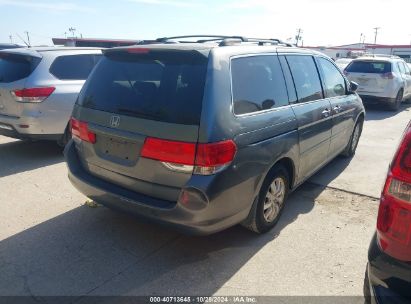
<point x="353" y="87"/>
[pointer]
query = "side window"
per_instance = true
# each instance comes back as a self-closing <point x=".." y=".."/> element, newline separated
<point x="400" y="67"/>
<point x="406" y="68"/>
<point x="306" y="79"/>
<point x="258" y="84"/>
<point x="74" y="67"/>
<point x="333" y="80"/>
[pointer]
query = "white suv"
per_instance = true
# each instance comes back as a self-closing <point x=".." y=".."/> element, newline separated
<point x="385" y="79"/>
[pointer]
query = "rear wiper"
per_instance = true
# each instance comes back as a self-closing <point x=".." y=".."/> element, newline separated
<point x="136" y="112"/>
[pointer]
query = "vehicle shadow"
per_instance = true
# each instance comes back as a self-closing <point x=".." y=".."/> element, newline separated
<point x="20" y="156"/>
<point x="331" y="171"/>
<point x="376" y="112"/>
<point x="95" y="251"/>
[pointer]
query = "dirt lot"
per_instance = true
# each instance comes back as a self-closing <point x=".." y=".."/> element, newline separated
<point x="53" y="244"/>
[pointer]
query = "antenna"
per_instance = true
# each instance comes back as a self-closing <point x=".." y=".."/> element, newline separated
<point x="24" y="41"/>
<point x="28" y="38"/>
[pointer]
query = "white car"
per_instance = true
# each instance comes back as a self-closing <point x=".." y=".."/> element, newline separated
<point x="381" y="79"/>
<point x="342" y="63"/>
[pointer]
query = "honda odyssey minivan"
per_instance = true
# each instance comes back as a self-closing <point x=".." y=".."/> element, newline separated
<point x="208" y="133"/>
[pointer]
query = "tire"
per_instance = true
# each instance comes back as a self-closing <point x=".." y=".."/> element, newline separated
<point x="65" y="138"/>
<point x="352" y="145"/>
<point x="267" y="208"/>
<point x="366" y="289"/>
<point x="398" y="100"/>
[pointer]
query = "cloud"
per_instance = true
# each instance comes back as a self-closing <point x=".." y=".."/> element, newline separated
<point x="175" y="3"/>
<point x="52" y="6"/>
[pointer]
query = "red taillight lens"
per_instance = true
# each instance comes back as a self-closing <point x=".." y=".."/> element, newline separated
<point x="394" y="215"/>
<point x="388" y="75"/>
<point x="169" y="151"/>
<point x="212" y="157"/>
<point x="80" y="130"/>
<point x="205" y="159"/>
<point x="32" y="94"/>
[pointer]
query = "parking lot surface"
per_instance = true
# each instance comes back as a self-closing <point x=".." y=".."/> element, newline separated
<point x="52" y="244"/>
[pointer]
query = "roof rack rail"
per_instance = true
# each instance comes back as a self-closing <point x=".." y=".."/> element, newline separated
<point x="214" y="38"/>
<point x="224" y="40"/>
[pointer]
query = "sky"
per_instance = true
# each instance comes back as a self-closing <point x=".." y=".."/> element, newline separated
<point x="323" y="22"/>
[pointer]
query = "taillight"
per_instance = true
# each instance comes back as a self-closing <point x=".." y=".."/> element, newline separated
<point x="388" y="75"/>
<point x="394" y="215"/>
<point x="212" y="157"/>
<point x="79" y="129"/>
<point x="33" y="94"/>
<point x="201" y="159"/>
<point x="169" y="151"/>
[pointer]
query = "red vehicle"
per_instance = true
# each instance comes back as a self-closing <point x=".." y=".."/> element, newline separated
<point x="388" y="278"/>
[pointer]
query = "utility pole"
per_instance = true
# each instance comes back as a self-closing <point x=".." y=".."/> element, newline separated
<point x="72" y="30"/>
<point x="28" y="38"/>
<point x="11" y="39"/>
<point x="298" y="36"/>
<point x="376" y="33"/>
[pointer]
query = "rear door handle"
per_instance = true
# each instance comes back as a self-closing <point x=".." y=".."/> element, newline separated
<point x="337" y="109"/>
<point x="325" y="113"/>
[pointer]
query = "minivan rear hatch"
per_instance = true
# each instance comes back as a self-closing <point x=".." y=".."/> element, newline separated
<point x="135" y="95"/>
<point x="14" y="69"/>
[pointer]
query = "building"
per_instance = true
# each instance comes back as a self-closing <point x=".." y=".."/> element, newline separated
<point x="359" y="49"/>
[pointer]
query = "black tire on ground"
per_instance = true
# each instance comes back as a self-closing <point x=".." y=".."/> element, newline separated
<point x="65" y="138"/>
<point x="366" y="289"/>
<point x="351" y="147"/>
<point x="256" y="220"/>
<point x="398" y="100"/>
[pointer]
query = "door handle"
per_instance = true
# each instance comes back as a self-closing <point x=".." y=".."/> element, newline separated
<point x="337" y="109"/>
<point x="325" y="113"/>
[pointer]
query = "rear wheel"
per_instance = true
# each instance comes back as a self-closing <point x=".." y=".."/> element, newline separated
<point x="354" y="140"/>
<point x="65" y="138"/>
<point x="267" y="209"/>
<point x="398" y="100"/>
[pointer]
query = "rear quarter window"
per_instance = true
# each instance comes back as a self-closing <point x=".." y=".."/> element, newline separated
<point x="368" y="66"/>
<point x="16" y="67"/>
<point x="258" y="84"/>
<point x="74" y="67"/>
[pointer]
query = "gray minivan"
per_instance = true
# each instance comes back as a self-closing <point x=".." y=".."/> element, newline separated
<point x="209" y="134"/>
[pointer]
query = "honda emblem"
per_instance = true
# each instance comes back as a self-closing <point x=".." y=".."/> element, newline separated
<point x="115" y="121"/>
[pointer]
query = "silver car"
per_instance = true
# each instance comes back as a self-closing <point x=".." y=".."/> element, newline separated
<point x="38" y="89"/>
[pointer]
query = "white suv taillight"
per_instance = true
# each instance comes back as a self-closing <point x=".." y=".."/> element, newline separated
<point x="32" y="94"/>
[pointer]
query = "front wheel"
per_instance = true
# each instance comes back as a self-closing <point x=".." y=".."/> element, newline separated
<point x="267" y="209"/>
<point x="349" y="151"/>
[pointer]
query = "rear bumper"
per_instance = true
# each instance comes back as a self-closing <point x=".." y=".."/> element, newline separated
<point x="186" y="218"/>
<point x="35" y="123"/>
<point x="389" y="279"/>
<point x="371" y="99"/>
<point x="10" y="131"/>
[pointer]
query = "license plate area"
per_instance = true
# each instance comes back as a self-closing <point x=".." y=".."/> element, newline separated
<point x="119" y="148"/>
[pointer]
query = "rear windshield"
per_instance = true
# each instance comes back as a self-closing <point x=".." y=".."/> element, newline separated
<point x="16" y="67"/>
<point x="373" y="67"/>
<point x="164" y="86"/>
